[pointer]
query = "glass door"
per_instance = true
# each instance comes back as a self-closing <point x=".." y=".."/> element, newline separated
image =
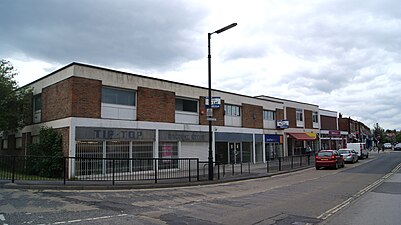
<point x="234" y="150"/>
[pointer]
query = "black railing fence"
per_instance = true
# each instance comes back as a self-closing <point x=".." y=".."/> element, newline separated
<point x="114" y="170"/>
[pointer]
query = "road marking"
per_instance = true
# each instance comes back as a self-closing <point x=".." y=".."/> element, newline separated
<point x="370" y="187"/>
<point x="89" y="219"/>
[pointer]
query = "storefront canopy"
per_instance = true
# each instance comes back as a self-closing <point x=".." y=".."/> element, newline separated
<point x="302" y="136"/>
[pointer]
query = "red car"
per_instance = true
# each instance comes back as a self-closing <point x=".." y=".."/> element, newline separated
<point x="329" y="158"/>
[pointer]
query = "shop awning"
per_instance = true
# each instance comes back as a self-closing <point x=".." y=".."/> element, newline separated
<point x="302" y="136"/>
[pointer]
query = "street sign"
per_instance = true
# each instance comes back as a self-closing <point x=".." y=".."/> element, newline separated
<point x="216" y="102"/>
<point x="211" y="119"/>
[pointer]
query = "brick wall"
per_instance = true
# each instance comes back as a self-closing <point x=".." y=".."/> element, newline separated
<point x="292" y="117"/>
<point x="28" y="109"/>
<point x="280" y="114"/>
<point x="155" y="105"/>
<point x="79" y="97"/>
<point x="252" y="116"/>
<point x="65" y="135"/>
<point x="86" y="97"/>
<point x="308" y="119"/>
<point x="328" y="123"/>
<point x="217" y="113"/>
<point x="343" y="124"/>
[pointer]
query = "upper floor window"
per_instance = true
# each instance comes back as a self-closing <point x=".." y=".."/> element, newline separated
<point x="118" y="96"/>
<point x="315" y="117"/>
<point x="186" y="105"/>
<point x="300" y="116"/>
<point x="37" y="103"/>
<point x="269" y="115"/>
<point x="232" y="110"/>
<point x="37" y="108"/>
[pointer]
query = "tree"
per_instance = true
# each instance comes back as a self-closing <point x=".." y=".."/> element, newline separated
<point x="398" y="137"/>
<point x="11" y="99"/>
<point x="379" y="133"/>
<point x="47" y="156"/>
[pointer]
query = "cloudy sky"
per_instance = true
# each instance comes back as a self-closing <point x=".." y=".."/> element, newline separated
<point x="343" y="55"/>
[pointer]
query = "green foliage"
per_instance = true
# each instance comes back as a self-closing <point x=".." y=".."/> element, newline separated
<point x="398" y="137"/>
<point x="11" y="98"/>
<point x="47" y="156"/>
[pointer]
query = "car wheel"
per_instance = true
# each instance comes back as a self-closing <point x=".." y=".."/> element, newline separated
<point x="317" y="167"/>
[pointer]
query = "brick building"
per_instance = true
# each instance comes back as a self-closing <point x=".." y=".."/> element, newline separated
<point x="108" y="113"/>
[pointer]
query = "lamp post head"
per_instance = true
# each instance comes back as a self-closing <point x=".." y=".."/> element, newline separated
<point x="225" y="28"/>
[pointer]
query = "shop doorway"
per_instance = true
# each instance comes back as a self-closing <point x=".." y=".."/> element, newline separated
<point x="273" y="150"/>
<point x="234" y="151"/>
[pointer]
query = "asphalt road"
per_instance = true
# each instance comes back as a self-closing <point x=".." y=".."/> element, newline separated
<point x="305" y="197"/>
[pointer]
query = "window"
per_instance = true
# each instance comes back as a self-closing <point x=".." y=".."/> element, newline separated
<point x="186" y="105"/>
<point x="37" y="103"/>
<point x="315" y="117"/>
<point x="300" y="115"/>
<point x="232" y="110"/>
<point x="269" y="115"/>
<point x="5" y="144"/>
<point x="118" y="96"/>
<point x="37" y="108"/>
<point x="18" y="143"/>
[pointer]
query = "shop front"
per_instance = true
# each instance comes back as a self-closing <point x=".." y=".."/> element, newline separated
<point x="333" y="139"/>
<point x="235" y="148"/>
<point x="94" y="146"/>
<point x="273" y="146"/>
<point x="300" y="143"/>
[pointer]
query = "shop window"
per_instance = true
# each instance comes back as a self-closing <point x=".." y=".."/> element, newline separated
<point x="167" y="152"/>
<point x="232" y="110"/>
<point x="269" y="115"/>
<point x="186" y="105"/>
<point x="119" y="152"/>
<point x="118" y="96"/>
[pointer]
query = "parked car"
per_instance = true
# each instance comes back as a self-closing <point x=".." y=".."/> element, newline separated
<point x="387" y="145"/>
<point x="397" y="147"/>
<point x="360" y="148"/>
<point x="349" y="155"/>
<point x="329" y="158"/>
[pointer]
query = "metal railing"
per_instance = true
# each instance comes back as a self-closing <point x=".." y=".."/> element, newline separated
<point x="224" y="170"/>
<point x="68" y="169"/>
<point x="97" y="169"/>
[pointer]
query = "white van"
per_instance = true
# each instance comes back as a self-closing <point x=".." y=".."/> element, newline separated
<point x="360" y="148"/>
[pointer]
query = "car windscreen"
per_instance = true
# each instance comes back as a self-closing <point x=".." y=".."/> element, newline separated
<point x="325" y="154"/>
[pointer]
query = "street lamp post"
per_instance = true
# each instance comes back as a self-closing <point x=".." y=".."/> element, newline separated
<point x="209" y="107"/>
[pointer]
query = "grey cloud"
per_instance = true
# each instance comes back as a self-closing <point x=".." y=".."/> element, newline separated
<point x="140" y="33"/>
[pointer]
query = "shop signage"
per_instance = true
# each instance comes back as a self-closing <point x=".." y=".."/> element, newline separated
<point x="273" y="138"/>
<point x="216" y="102"/>
<point x="97" y="133"/>
<point x="186" y="136"/>
<point x="334" y="133"/>
<point x="283" y="124"/>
